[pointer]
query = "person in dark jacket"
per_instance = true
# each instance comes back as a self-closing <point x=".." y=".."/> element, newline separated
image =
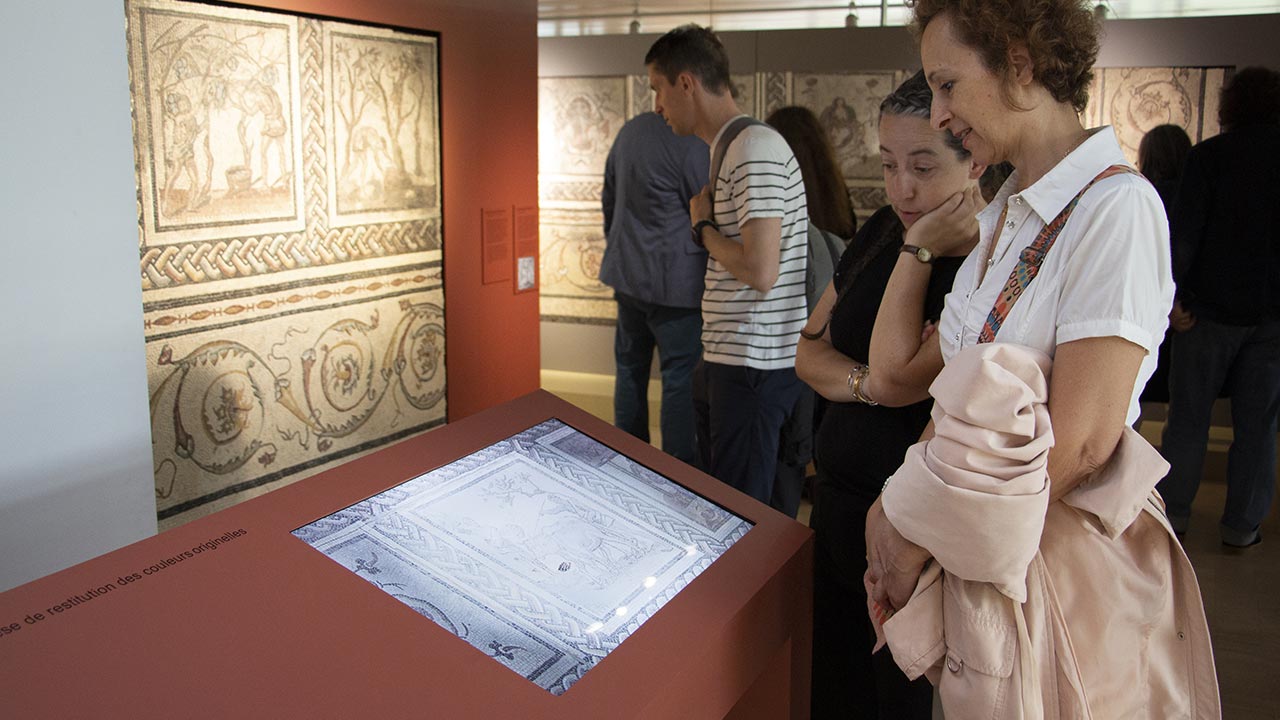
<point x="1225" y="231"/>
<point x="656" y="273"/>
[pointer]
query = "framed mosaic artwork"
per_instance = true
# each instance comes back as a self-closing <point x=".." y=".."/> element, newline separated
<point x="290" y="243"/>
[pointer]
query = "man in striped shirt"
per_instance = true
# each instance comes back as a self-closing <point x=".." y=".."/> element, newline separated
<point x="753" y="305"/>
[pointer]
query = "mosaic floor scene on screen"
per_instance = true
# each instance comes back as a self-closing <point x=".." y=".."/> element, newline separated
<point x="545" y="551"/>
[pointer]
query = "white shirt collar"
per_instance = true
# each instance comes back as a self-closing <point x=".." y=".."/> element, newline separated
<point x="1051" y="193"/>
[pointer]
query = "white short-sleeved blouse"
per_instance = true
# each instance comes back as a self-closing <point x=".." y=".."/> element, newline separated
<point x="1108" y="273"/>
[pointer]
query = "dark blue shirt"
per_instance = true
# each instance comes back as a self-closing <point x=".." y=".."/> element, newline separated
<point x="649" y="178"/>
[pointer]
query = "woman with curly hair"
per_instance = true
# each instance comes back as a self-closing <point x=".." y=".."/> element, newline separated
<point x="1020" y="557"/>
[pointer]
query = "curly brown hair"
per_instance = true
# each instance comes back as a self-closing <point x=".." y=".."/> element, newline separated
<point x="1061" y="36"/>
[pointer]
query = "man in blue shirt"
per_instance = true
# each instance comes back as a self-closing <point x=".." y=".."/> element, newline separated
<point x="656" y="273"/>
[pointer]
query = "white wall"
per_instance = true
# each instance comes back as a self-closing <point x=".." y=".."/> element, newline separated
<point x="75" y="440"/>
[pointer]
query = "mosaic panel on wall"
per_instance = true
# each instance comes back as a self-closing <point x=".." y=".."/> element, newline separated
<point x="290" y="244"/>
<point x="1134" y="100"/>
<point x="579" y="118"/>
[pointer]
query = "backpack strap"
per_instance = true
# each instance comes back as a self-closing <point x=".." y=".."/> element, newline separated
<point x="1032" y="258"/>
<point x="735" y="127"/>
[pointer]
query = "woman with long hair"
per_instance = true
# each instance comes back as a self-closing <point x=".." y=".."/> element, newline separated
<point x="825" y="191"/>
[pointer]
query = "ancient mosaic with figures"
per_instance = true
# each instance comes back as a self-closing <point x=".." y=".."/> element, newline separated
<point x="290" y="252"/>
<point x="544" y="551"/>
<point x="580" y="116"/>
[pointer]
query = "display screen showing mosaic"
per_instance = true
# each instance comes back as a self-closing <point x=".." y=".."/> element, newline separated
<point x="288" y="173"/>
<point x="544" y="551"/>
<point x="579" y="117"/>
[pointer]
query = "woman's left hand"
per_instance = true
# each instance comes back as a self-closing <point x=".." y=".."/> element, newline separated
<point x="951" y="229"/>
<point x="894" y="563"/>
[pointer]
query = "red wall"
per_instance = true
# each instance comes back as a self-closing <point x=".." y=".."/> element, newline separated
<point x="489" y="120"/>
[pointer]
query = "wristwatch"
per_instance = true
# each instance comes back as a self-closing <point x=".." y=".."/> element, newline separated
<point x="924" y="255"/>
<point x="697" y="231"/>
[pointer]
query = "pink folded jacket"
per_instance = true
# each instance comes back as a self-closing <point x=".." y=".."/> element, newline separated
<point x="1084" y="608"/>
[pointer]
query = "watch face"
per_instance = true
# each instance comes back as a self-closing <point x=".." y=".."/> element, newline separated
<point x="923" y="255"/>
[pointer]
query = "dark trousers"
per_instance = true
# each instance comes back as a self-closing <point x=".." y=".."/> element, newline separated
<point x="848" y="680"/>
<point x="1245" y="361"/>
<point x="677" y="333"/>
<point x="740" y="411"/>
<point x="795" y="450"/>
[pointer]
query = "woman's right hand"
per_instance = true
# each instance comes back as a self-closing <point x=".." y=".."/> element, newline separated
<point x="952" y="227"/>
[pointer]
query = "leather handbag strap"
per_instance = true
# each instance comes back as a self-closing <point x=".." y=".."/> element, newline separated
<point x="736" y="126"/>
<point x="1032" y="258"/>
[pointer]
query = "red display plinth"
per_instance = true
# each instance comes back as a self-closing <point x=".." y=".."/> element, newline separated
<point x="232" y="616"/>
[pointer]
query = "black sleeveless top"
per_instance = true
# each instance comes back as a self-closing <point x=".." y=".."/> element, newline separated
<point x="858" y="446"/>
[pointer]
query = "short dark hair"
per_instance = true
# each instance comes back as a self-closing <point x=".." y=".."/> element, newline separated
<point x="693" y="49"/>
<point x="913" y="98"/>
<point x="1061" y="37"/>
<point x="1250" y="97"/>
<point x="1161" y="153"/>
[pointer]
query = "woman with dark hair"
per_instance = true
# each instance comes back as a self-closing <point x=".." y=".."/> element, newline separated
<point x="824" y="189"/>
<point x="872" y="417"/>
<point x="831" y="226"/>
<point x="1054" y="586"/>
<point x="1161" y="154"/>
<point x="1226" y="259"/>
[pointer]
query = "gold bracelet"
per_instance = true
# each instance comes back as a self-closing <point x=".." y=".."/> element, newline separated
<point x="859" y="392"/>
<point x="853" y="373"/>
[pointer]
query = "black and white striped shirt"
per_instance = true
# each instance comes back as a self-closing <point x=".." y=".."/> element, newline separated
<point x="759" y="178"/>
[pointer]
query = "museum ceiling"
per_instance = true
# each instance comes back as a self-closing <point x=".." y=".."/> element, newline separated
<point x="598" y="17"/>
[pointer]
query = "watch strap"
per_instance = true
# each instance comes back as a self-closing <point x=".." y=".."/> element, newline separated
<point x="697" y="231"/>
<point x="923" y="255"/>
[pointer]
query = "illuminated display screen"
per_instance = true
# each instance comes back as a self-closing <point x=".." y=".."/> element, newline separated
<point x="545" y="550"/>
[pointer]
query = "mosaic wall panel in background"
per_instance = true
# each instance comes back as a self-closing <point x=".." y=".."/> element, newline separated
<point x="572" y="248"/>
<point x="576" y="130"/>
<point x="290" y="248"/>
<point x="1134" y="100"/>
<point x="578" y="118"/>
<point x="847" y="105"/>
